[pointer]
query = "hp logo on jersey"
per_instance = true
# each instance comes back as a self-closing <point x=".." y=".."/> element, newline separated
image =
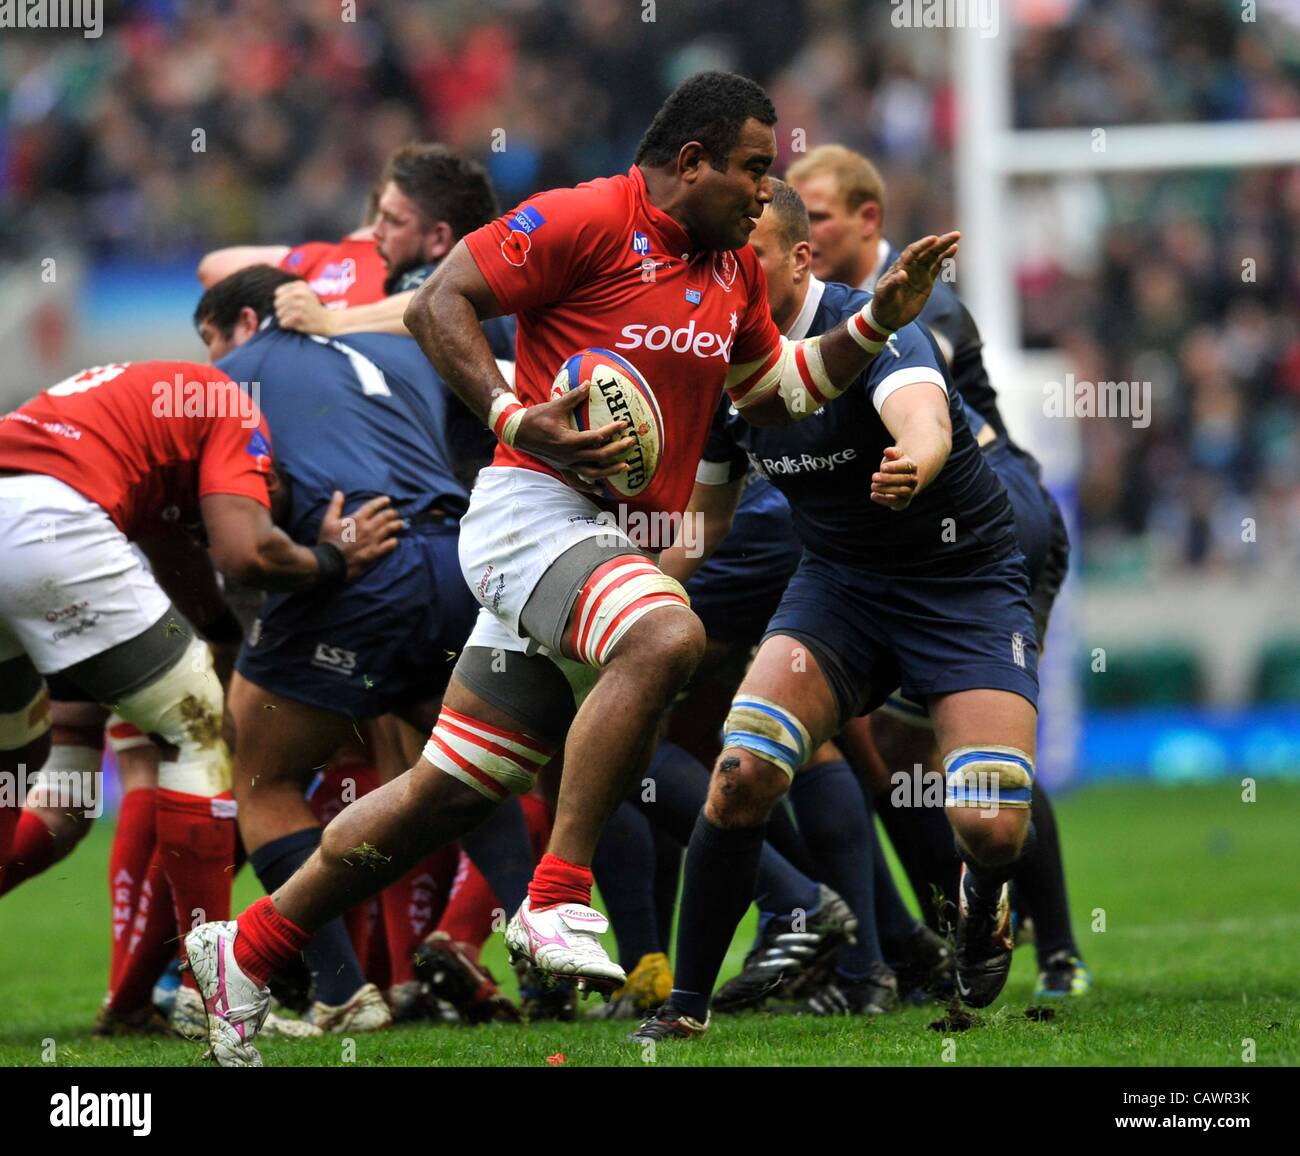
<point x="640" y="244"/>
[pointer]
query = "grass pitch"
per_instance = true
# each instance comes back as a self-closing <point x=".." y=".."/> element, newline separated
<point x="1200" y="952"/>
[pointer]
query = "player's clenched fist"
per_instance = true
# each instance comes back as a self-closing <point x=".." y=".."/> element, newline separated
<point x="547" y="432"/>
<point x="365" y="535"/>
<point x="894" y="484"/>
<point x="298" y="307"/>
<point x="901" y="293"/>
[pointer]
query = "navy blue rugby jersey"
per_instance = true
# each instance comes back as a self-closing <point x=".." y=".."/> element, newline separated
<point x="823" y="464"/>
<point x="362" y="413"/>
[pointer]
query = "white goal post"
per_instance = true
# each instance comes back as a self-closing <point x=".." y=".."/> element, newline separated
<point x="990" y="154"/>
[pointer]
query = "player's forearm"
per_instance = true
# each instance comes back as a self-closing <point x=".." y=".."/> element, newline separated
<point x="445" y="324"/>
<point x="844" y="358"/>
<point x="384" y="316"/>
<point x="800" y="377"/>
<point x="221" y="263"/>
<point x="705" y="523"/>
<point x="926" y="438"/>
<point x="272" y="561"/>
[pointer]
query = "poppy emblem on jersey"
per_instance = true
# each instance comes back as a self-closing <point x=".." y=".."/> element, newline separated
<point x="515" y="248"/>
<point x="725" y="268"/>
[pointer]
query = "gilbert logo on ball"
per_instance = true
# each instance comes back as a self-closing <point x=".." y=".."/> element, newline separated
<point x="618" y="393"/>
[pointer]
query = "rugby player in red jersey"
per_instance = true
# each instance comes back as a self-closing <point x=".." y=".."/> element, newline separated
<point x="427" y="198"/>
<point x="119" y="453"/>
<point x="338" y="274"/>
<point x="654" y="265"/>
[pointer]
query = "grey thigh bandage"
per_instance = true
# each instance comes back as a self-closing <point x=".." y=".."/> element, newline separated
<point x="125" y="668"/>
<point x="546" y="613"/>
<point x="528" y="687"/>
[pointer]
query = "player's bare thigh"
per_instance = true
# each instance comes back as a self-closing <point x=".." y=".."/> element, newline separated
<point x="279" y="744"/>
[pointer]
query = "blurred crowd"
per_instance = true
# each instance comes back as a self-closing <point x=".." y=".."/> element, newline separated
<point x="197" y="123"/>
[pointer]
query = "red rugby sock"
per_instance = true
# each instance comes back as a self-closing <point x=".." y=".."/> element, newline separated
<point x="133" y="847"/>
<point x="411" y="906"/>
<point x="9" y="817"/>
<point x="266" y="941"/>
<point x="555" y="882"/>
<point x="469" y="912"/>
<point x="148" y="944"/>
<point x="196" y="836"/>
<point x="31" y="852"/>
<point x="537" y="818"/>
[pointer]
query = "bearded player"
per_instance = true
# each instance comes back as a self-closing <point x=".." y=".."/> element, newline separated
<point x="652" y="264"/>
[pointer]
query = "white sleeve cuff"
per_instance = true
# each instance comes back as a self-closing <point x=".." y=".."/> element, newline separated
<point x="901" y="377"/>
<point x="713" y="473"/>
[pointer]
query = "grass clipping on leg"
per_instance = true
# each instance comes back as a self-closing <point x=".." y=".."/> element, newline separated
<point x="366" y="855"/>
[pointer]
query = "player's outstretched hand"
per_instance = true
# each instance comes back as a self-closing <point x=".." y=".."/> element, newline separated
<point x="903" y="290"/>
<point x="894" y="485"/>
<point x="584" y="456"/>
<point x="297" y="307"/>
<point x="365" y="535"/>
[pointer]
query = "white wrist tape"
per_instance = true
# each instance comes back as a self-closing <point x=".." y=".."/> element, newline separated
<point x="504" y="417"/>
<point x="867" y="331"/>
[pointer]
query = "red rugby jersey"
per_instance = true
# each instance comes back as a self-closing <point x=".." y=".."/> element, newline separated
<point x="340" y="273"/>
<point x="599" y="265"/>
<point x="145" y="440"/>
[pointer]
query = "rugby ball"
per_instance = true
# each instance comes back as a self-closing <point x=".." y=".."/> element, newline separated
<point x="618" y="393"/>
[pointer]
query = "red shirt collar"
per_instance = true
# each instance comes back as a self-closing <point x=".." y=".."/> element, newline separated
<point x="674" y="238"/>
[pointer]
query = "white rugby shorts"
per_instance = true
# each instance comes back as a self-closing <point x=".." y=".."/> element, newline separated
<point x="518" y="523"/>
<point x="73" y="586"/>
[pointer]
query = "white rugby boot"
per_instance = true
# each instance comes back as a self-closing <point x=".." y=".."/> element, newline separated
<point x="236" y="1007"/>
<point x="189" y="1019"/>
<point x="565" y="941"/>
<point x="189" y="1016"/>
<point x="366" y="1011"/>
